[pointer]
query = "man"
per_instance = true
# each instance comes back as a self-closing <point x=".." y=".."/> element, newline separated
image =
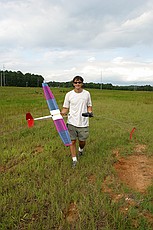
<point x="76" y="103"/>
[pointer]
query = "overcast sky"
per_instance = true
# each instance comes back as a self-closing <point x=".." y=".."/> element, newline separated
<point x="108" y="40"/>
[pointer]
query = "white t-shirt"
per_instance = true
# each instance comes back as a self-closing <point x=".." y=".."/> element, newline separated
<point x="77" y="104"/>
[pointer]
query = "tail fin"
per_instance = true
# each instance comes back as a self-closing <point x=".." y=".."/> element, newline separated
<point x="30" y="120"/>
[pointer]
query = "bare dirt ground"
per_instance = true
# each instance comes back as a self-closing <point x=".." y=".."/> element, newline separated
<point x="136" y="171"/>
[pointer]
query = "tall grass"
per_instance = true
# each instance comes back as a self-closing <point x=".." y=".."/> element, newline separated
<point x="40" y="190"/>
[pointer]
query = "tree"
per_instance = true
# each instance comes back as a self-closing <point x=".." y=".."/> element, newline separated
<point x="22" y="80"/>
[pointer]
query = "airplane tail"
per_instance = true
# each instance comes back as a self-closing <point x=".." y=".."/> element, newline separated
<point x="30" y="120"/>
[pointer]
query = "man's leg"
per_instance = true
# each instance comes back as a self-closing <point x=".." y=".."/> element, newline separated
<point x="73" y="153"/>
<point x="73" y="148"/>
<point x="83" y="134"/>
<point x="81" y="146"/>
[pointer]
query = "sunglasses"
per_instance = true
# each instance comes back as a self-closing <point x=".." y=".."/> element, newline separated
<point x="77" y="82"/>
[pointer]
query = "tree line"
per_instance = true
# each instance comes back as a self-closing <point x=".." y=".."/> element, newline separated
<point x="12" y="78"/>
<point x="107" y="86"/>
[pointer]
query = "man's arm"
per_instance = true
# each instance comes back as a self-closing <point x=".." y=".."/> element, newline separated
<point x="89" y="109"/>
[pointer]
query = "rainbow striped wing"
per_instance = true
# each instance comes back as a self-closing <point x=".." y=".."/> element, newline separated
<point x="56" y="116"/>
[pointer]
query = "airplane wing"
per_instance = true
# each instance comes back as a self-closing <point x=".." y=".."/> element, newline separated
<point x="56" y="116"/>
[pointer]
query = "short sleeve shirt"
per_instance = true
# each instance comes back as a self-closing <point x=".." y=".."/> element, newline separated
<point x="77" y="103"/>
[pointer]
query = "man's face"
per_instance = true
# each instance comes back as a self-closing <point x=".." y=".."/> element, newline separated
<point x="77" y="84"/>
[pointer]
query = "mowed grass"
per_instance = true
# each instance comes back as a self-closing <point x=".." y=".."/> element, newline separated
<point x="40" y="190"/>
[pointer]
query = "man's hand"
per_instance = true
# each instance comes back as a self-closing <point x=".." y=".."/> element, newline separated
<point x="64" y="111"/>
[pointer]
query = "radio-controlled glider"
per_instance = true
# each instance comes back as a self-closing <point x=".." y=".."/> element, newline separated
<point x="54" y="114"/>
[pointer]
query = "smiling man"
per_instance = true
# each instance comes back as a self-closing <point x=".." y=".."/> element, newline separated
<point x="76" y="103"/>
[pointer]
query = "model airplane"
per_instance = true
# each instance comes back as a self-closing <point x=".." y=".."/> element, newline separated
<point x="55" y="115"/>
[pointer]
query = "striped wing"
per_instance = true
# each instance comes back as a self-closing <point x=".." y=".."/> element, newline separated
<point x="56" y="116"/>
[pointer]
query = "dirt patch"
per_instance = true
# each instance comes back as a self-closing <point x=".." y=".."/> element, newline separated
<point x="71" y="214"/>
<point x="126" y="200"/>
<point x="92" y="179"/>
<point x="38" y="149"/>
<point x="136" y="171"/>
<point x="2" y="169"/>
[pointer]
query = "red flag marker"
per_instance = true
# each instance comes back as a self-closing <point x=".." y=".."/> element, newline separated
<point x="131" y="133"/>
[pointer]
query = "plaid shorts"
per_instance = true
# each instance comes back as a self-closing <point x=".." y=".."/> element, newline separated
<point x="81" y="133"/>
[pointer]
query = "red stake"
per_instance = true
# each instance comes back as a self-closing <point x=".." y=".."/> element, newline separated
<point x="132" y="131"/>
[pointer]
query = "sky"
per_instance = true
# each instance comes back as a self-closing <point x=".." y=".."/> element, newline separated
<point x="108" y="41"/>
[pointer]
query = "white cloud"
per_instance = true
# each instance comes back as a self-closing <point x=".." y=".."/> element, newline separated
<point x="62" y="38"/>
<point x="91" y="59"/>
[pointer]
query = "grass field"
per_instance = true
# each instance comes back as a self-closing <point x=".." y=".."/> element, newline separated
<point x="111" y="187"/>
